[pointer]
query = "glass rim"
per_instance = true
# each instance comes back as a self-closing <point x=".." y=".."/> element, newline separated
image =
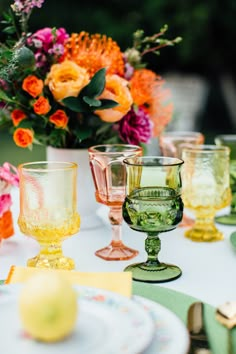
<point x="226" y="137"/>
<point x="137" y="161"/>
<point x="129" y="147"/>
<point x="181" y="133"/>
<point x="63" y="165"/>
<point x="205" y="148"/>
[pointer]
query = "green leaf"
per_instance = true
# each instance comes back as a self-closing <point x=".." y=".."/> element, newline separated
<point x="92" y="102"/>
<point x="4" y="97"/>
<point x="75" y="104"/>
<point x="105" y="103"/>
<point x="37" y="142"/>
<point x="96" y="85"/>
<point x="9" y="30"/>
<point x="83" y="134"/>
<point x="25" y="123"/>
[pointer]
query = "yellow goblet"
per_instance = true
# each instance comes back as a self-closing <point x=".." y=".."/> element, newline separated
<point x="48" y="211"/>
<point x="206" y="188"/>
<point x="172" y="144"/>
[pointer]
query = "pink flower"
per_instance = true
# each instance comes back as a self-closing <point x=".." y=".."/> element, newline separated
<point x="46" y="38"/>
<point x="129" y="70"/>
<point x="41" y="59"/>
<point x="5" y="203"/>
<point x="26" y="5"/>
<point x="9" y="174"/>
<point x="57" y="50"/>
<point x="135" y="127"/>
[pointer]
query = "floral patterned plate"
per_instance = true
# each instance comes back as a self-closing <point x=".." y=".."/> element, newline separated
<point x="171" y="335"/>
<point x="108" y="323"/>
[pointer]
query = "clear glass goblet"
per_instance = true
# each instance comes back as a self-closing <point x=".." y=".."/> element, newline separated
<point x="206" y="188"/>
<point x="109" y="176"/>
<point x="48" y="210"/>
<point x="153" y="205"/>
<point x="172" y="144"/>
<point x="230" y="141"/>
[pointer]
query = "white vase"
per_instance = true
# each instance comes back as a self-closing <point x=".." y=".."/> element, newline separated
<point x="87" y="204"/>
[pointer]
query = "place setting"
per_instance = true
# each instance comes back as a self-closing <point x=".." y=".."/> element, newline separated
<point x="105" y="246"/>
<point x="106" y="322"/>
<point x="153" y="205"/>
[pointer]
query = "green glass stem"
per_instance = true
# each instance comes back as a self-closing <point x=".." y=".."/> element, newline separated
<point x="152" y="247"/>
<point x="233" y="205"/>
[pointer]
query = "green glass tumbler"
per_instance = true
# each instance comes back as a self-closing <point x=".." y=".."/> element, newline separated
<point x="153" y="205"/>
<point x="230" y="141"/>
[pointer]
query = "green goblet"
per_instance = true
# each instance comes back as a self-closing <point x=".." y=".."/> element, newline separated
<point x="153" y="205"/>
<point x="230" y="141"/>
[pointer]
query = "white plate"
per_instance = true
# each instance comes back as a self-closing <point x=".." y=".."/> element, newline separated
<point x="171" y="336"/>
<point x="107" y="324"/>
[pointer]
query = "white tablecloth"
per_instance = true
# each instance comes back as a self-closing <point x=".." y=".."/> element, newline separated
<point x="209" y="269"/>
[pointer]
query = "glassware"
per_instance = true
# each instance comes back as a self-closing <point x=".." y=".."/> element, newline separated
<point x="48" y="210"/>
<point x="109" y="176"/>
<point x="206" y="188"/>
<point x="172" y="144"/>
<point x="153" y="205"/>
<point x="230" y="141"/>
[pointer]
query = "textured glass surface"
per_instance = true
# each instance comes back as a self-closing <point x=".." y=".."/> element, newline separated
<point x="109" y="176"/>
<point x="172" y="144"/>
<point x="206" y="188"/>
<point x="48" y="210"/>
<point x="230" y="141"/>
<point x="153" y="205"/>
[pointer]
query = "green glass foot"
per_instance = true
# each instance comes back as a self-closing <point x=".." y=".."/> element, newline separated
<point x="153" y="274"/>
<point x="229" y="219"/>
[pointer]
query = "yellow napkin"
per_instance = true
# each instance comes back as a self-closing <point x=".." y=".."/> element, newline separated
<point x="119" y="282"/>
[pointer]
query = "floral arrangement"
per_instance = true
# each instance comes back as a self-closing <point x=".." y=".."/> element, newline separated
<point x="8" y="178"/>
<point x="80" y="89"/>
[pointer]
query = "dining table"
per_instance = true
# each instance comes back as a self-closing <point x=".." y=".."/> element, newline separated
<point x="208" y="268"/>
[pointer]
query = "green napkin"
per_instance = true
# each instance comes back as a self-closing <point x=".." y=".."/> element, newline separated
<point x="179" y="303"/>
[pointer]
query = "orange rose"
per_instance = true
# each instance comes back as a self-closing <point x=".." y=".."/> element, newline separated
<point x="59" y="118"/>
<point x="33" y="85"/>
<point x="23" y="137"/>
<point x="41" y="106"/>
<point x="17" y="116"/>
<point x="116" y="89"/>
<point x="66" y="79"/>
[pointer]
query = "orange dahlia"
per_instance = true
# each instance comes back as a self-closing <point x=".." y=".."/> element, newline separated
<point x="147" y="91"/>
<point x="94" y="52"/>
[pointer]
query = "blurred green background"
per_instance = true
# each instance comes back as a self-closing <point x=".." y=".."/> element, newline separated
<point x="205" y="56"/>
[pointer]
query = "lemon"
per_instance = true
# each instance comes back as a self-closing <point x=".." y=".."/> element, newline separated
<point x="48" y="307"/>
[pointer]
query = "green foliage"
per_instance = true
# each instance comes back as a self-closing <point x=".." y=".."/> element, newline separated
<point x="87" y="100"/>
